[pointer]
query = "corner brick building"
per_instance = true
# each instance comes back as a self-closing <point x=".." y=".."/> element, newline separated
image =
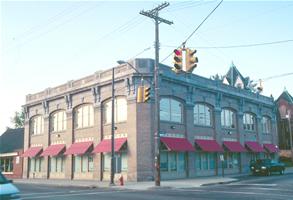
<point x="68" y="127"/>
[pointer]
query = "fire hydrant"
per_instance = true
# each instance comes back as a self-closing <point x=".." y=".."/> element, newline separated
<point x="121" y="180"/>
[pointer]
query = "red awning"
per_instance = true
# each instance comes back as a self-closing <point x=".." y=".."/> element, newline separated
<point x="78" y="148"/>
<point x="234" y="146"/>
<point x="209" y="145"/>
<point x="32" y="152"/>
<point x="105" y="145"/>
<point x="271" y="148"/>
<point x="177" y="144"/>
<point x="254" y="146"/>
<point x="53" y="150"/>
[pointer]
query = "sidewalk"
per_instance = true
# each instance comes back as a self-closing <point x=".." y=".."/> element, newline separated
<point x="179" y="183"/>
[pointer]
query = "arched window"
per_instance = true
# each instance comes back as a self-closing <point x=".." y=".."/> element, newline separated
<point x="37" y="125"/>
<point x="171" y="110"/>
<point x="58" y="121"/>
<point x="202" y="115"/>
<point x="228" y="118"/>
<point x="120" y="110"/>
<point x="266" y="124"/>
<point x="249" y="123"/>
<point x="84" y="116"/>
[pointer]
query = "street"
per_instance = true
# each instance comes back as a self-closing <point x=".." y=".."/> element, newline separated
<point x="248" y="187"/>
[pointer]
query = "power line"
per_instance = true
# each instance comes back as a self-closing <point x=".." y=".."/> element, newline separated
<point x="183" y="43"/>
<point x="238" y="46"/>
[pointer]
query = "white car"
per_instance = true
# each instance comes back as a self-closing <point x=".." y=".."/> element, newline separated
<point x="7" y="189"/>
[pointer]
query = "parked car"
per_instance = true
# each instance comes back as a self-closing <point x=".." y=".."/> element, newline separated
<point x="267" y="167"/>
<point x="7" y="189"/>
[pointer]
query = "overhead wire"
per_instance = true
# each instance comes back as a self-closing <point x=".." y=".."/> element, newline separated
<point x="238" y="46"/>
<point x="183" y="43"/>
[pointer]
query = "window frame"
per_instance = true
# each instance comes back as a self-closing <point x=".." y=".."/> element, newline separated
<point x="55" y="117"/>
<point x="171" y="112"/>
<point x="266" y="124"/>
<point x="36" y="125"/>
<point x="120" y="110"/>
<point x="207" y="112"/>
<point x="80" y="116"/>
<point x="247" y="116"/>
<point x="224" y="123"/>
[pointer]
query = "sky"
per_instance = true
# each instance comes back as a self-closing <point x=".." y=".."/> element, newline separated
<point x="47" y="43"/>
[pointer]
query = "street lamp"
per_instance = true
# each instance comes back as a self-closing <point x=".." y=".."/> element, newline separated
<point x="157" y="118"/>
<point x="290" y="133"/>
<point x="112" y="129"/>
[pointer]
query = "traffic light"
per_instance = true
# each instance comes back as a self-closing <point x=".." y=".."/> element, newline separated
<point x="191" y="60"/>
<point x="140" y="92"/>
<point x="177" y="60"/>
<point x="147" y="94"/>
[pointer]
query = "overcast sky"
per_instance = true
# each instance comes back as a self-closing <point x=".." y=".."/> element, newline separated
<point x="47" y="43"/>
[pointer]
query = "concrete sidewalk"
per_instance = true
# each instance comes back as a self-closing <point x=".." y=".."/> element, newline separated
<point x="179" y="183"/>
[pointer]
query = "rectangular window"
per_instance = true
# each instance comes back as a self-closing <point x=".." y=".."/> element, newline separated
<point x="84" y="163"/>
<point x="124" y="160"/>
<point x="59" y="163"/>
<point x="107" y="161"/>
<point x="205" y="161"/>
<point x="53" y="164"/>
<point x="211" y="161"/>
<point x="165" y="110"/>
<point x="198" y="161"/>
<point x="91" y="163"/>
<point x="6" y="164"/>
<point x="181" y="162"/>
<point x="77" y="164"/>
<point x="173" y="161"/>
<point x="164" y="161"/>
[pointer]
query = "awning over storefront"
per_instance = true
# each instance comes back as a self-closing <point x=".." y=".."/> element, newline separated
<point x="271" y="148"/>
<point x="209" y="145"/>
<point x="78" y="148"/>
<point x="32" y="152"/>
<point x="177" y="144"/>
<point x="53" y="150"/>
<point x="234" y="146"/>
<point x="105" y="145"/>
<point x="254" y="146"/>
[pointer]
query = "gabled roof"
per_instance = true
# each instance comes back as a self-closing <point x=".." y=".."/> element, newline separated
<point x="286" y="96"/>
<point x="233" y="74"/>
<point x="11" y="140"/>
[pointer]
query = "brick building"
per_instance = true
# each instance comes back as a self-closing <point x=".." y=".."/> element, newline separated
<point x="11" y="149"/>
<point x="68" y="127"/>
<point x="285" y="109"/>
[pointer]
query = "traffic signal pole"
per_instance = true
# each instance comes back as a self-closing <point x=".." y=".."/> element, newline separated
<point x="154" y="14"/>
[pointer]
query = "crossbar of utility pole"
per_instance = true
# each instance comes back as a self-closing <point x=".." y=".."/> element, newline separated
<point x="154" y="14"/>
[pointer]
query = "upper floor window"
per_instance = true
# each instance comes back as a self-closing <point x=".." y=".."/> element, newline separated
<point x="171" y="110"/>
<point x="58" y="121"/>
<point x="202" y="115"/>
<point x="228" y="118"/>
<point x="266" y="124"/>
<point x="84" y="116"/>
<point x="249" y="122"/>
<point x="120" y="110"/>
<point x="37" y="125"/>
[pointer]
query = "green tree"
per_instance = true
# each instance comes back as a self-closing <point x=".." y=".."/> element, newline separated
<point x="18" y="119"/>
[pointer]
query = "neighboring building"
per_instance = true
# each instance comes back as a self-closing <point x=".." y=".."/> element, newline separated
<point x="11" y="149"/>
<point x="285" y="107"/>
<point x="68" y="127"/>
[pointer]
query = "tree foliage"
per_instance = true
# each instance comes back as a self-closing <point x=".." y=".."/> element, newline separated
<point x="18" y="119"/>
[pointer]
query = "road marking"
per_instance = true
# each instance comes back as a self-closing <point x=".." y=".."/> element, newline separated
<point x="70" y="191"/>
<point x="254" y="184"/>
<point x="71" y="194"/>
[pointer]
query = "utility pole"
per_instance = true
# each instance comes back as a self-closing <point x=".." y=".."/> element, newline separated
<point x="112" y="129"/>
<point x="288" y="116"/>
<point x="154" y="14"/>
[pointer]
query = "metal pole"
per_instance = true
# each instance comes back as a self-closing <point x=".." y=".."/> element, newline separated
<point x="112" y="130"/>
<point x="290" y="132"/>
<point x="157" y="106"/>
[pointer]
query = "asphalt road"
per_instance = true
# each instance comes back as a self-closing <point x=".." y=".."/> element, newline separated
<point x="258" y="187"/>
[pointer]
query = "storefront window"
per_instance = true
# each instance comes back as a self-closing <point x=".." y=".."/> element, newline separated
<point x="120" y="162"/>
<point x="205" y="161"/>
<point x="83" y="163"/>
<point x="181" y="162"/>
<point x="56" y="164"/>
<point x="173" y="161"/>
<point x="164" y="161"/>
<point x="36" y="164"/>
